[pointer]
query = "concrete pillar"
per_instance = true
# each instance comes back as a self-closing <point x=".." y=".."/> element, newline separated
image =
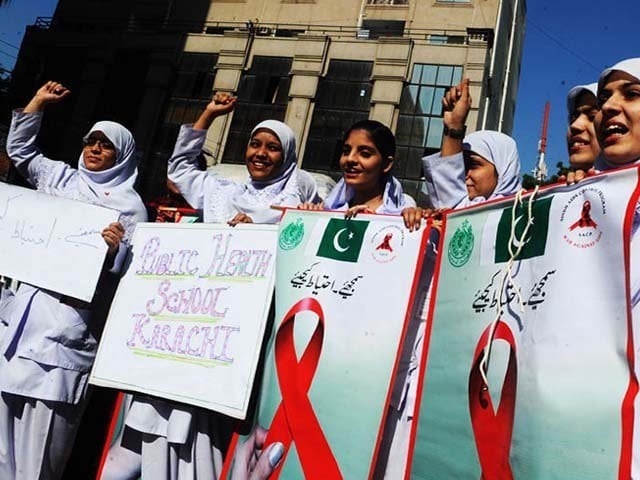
<point x="308" y="64"/>
<point x="234" y="55"/>
<point x="389" y="71"/>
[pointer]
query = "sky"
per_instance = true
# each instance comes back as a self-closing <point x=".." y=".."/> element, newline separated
<point x="14" y="18"/>
<point x="567" y="43"/>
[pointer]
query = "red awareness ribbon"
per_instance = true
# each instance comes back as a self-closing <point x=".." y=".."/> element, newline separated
<point x="585" y="218"/>
<point x="492" y="431"/>
<point x="295" y="419"/>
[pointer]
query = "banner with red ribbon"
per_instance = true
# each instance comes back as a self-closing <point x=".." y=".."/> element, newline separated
<point x="529" y="367"/>
<point x="344" y="296"/>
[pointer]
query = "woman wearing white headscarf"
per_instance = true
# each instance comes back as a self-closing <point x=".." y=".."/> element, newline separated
<point x="582" y="141"/>
<point x="618" y="128"/>
<point x="487" y="167"/>
<point x="271" y="162"/>
<point x="51" y="340"/>
<point x="166" y="439"/>
<point x="618" y="124"/>
<point x="367" y="183"/>
<point x="470" y="169"/>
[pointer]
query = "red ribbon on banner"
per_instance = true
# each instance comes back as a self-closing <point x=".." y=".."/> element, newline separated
<point x="492" y="431"/>
<point x="585" y="218"/>
<point x="295" y="419"/>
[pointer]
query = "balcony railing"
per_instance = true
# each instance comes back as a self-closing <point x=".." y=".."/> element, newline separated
<point x="137" y="25"/>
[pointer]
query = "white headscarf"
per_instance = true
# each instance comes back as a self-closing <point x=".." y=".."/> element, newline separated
<point x="630" y="66"/>
<point x="576" y="91"/>
<point x="256" y="197"/>
<point x="113" y="187"/>
<point x="393" y="198"/>
<point x="502" y="152"/>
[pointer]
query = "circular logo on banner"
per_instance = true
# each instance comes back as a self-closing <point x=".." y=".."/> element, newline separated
<point x="461" y="245"/>
<point x="292" y="235"/>
<point x="385" y="243"/>
<point x="581" y="217"/>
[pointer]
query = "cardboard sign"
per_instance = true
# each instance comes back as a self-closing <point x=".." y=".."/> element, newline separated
<point x="52" y="242"/>
<point x="189" y="315"/>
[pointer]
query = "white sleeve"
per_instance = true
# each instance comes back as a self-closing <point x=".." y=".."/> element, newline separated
<point x="445" y="180"/>
<point x="39" y="170"/>
<point x="183" y="166"/>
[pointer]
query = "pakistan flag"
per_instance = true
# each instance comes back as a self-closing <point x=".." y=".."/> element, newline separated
<point x="536" y="240"/>
<point x="342" y="239"/>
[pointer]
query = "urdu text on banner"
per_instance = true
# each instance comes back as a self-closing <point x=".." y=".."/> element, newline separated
<point x="557" y="334"/>
<point x="344" y="294"/>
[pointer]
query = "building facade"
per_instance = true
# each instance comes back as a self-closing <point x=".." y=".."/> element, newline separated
<point x="321" y="65"/>
<point x="318" y="65"/>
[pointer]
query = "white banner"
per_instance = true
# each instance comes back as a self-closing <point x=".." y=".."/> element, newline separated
<point x="189" y="315"/>
<point x="343" y="302"/>
<point x="52" y="242"/>
<point x="558" y="398"/>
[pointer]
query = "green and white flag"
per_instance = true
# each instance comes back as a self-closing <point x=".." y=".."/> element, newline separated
<point x="534" y="244"/>
<point x="561" y="381"/>
<point x="342" y="239"/>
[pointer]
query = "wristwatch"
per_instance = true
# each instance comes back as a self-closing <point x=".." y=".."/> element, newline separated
<point x="455" y="132"/>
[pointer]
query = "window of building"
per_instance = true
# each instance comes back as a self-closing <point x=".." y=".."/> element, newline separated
<point x="190" y="93"/>
<point x="342" y="99"/>
<point x="438" y="39"/>
<point x="383" y="28"/>
<point x="263" y="94"/>
<point x="453" y="1"/>
<point x="447" y="39"/>
<point x="387" y="2"/>
<point x="194" y="78"/>
<point x="419" y="129"/>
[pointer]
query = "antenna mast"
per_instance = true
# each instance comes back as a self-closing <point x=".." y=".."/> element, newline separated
<point x="540" y="172"/>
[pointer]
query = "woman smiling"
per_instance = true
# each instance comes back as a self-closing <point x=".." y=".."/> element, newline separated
<point x="367" y="186"/>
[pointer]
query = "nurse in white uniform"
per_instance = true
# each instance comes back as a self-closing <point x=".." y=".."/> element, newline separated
<point x="50" y="343"/>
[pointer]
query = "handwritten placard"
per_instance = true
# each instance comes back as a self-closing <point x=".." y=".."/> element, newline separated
<point x="52" y="242"/>
<point x="188" y="319"/>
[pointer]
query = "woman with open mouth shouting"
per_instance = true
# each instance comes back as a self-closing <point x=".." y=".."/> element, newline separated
<point x="618" y="123"/>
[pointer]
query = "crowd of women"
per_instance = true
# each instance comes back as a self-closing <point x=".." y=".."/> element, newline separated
<point x="48" y="341"/>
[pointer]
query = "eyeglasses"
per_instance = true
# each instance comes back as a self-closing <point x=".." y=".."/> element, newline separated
<point x="104" y="144"/>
